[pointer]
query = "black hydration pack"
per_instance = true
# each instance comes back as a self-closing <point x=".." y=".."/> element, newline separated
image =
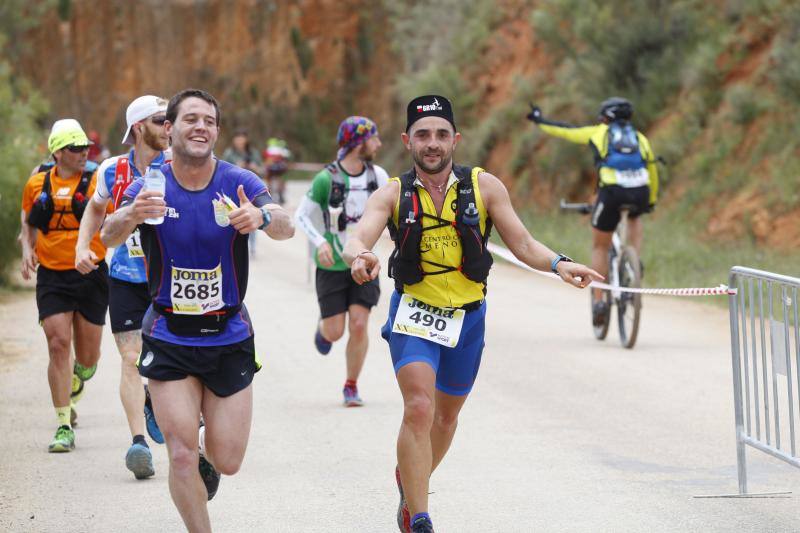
<point x="44" y="208"/>
<point x="405" y="263"/>
<point x="339" y="191"/>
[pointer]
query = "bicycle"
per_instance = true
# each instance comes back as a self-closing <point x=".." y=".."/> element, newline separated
<point x="624" y="271"/>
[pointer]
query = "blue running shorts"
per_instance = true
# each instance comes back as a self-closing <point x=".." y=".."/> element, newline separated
<point x="456" y="368"/>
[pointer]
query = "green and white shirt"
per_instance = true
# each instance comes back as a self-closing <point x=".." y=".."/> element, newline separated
<point x="309" y="213"/>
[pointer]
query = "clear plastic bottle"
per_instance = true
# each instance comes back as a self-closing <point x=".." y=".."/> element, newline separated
<point x="154" y="180"/>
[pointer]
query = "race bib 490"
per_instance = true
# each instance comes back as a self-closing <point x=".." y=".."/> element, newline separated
<point x="195" y="291"/>
<point x="441" y="325"/>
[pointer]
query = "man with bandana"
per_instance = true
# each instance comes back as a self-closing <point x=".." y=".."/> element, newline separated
<point x="337" y="198"/>
<point x="439" y="215"/>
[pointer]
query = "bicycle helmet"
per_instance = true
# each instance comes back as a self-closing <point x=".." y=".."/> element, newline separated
<point x="616" y="108"/>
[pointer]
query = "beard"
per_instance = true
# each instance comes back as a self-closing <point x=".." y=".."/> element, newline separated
<point x="445" y="161"/>
<point x="365" y="154"/>
<point x="153" y="140"/>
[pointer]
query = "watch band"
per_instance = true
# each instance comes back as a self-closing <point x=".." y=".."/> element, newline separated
<point x="267" y="217"/>
<point x="557" y="260"/>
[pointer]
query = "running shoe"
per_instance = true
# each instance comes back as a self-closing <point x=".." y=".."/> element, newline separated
<point x="210" y="476"/>
<point x="139" y="460"/>
<point x="150" y="419"/>
<point x="599" y="313"/>
<point x="84" y="372"/>
<point x="77" y="389"/>
<point x="351" y="397"/>
<point x="323" y="346"/>
<point x="423" y="524"/>
<point x="64" y="441"/>
<point x="403" y="515"/>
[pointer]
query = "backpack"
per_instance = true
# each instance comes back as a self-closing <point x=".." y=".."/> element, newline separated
<point x="623" y="147"/>
<point x="339" y="191"/>
<point x="44" y="208"/>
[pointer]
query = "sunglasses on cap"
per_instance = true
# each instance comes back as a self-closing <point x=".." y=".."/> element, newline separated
<point x="76" y="149"/>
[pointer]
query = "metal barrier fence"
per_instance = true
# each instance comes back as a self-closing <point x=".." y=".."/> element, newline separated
<point x="765" y="350"/>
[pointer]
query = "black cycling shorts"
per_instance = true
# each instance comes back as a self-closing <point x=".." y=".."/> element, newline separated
<point x="605" y="213"/>
<point x="127" y="304"/>
<point x="337" y="291"/>
<point x="63" y="291"/>
<point x="224" y="369"/>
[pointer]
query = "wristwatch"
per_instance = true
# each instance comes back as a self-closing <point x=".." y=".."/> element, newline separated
<point x="557" y="260"/>
<point x="267" y="217"/>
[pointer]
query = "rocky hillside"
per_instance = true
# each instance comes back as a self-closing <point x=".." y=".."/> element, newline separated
<point x="716" y="84"/>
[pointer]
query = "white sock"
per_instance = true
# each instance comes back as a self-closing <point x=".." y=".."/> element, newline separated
<point x="202" y="438"/>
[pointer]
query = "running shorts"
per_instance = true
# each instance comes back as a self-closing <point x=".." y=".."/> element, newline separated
<point x="605" y="214"/>
<point x="63" y="291"/>
<point x="127" y="304"/>
<point x="225" y="370"/>
<point x="456" y="368"/>
<point x="337" y="291"/>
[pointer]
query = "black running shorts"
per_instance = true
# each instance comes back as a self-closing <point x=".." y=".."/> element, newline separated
<point x="63" y="291"/>
<point x="127" y="303"/>
<point x="337" y="291"/>
<point x="605" y="214"/>
<point x="224" y="369"/>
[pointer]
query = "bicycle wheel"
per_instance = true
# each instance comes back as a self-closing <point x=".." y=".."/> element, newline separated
<point x="629" y="305"/>
<point x="600" y="332"/>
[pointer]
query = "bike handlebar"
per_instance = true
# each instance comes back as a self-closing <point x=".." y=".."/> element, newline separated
<point x="582" y="208"/>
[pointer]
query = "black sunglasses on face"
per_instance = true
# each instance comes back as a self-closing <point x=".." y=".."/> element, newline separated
<point x="76" y="149"/>
<point x="158" y="121"/>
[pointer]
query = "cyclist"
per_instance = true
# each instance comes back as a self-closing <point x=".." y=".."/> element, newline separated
<point x="72" y="306"/>
<point x="127" y="283"/>
<point x="627" y="176"/>
<point x="339" y="193"/>
<point x="440" y="216"/>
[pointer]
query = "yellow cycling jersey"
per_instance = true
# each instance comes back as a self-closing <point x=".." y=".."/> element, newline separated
<point x="597" y="138"/>
<point x="442" y="245"/>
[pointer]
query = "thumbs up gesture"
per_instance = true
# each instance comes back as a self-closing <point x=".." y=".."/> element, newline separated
<point x="247" y="217"/>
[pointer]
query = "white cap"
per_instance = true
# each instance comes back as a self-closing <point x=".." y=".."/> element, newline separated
<point x="140" y="109"/>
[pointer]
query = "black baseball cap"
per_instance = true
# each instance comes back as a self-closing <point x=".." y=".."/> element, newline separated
<point x="430" y="105"/>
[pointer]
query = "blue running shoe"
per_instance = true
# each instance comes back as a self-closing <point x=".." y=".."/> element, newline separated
<point x="422" y="524"/>
<point x="150" y="419"/>
<point x="322" y="344"/>
<point x="351" y="397"/>
<point x="139" y="460"/>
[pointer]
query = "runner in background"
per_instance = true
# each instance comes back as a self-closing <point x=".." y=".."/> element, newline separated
<point x="339" y="194"/>
<point x="72" y="306"/>
<point x="97" y="152"/>
<point x="241" y="154"/>
<point x="276" y="163"/>
<point x="128" y="294"/>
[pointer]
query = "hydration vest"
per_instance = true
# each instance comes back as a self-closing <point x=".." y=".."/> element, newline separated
<point x="339" y="192"/>
<point x="405" y="263"/>
<point x="44" y="208"/>
<point x="122" y="178"/>
<point x="623" y="147"/>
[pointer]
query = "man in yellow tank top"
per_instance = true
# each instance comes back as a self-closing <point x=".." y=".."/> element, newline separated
<point x="440" y="215"/>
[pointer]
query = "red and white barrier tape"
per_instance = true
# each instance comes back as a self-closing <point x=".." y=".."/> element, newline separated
<point x="688" y="291"/>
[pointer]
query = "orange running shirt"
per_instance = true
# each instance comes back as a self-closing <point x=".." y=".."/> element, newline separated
<point x="56" y="250"/>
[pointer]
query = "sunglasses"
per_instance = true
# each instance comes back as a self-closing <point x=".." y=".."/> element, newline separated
<point x="76" y="149"/>
<point x="158" y="121"/>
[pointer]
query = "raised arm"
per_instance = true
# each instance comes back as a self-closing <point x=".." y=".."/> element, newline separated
<point x="364" y="265"/>
<point x="520" y="241"/>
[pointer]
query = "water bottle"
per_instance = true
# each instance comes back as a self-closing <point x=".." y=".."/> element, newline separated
<point x="154" y="180"/>
<point x="471" y="216"/>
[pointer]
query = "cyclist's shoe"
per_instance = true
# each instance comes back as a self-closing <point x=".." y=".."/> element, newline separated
<point x="322" y="344"/>
<point x="84" y="372"/>
<point x="351" y="397"/>
<point x="150" y="419"/>
<point x="599" y="313"/>
<point x="422" y="524"/>
<point x="209" y="475"/>
<point x="64" y="440"/>
<point x="139" y="460"/>
<point x="77" y="389"/>
<point x="73" y="415"/>
<point x="403" y="515"/>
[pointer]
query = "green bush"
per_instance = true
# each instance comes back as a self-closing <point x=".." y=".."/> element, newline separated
<point x="745" y="104"/>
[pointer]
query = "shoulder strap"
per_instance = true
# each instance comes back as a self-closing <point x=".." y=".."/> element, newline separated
<point x="372" y="178"/>
<point x="46" y="186"/>
<point x="122" y="178"/>
<point x="83" y="185"/>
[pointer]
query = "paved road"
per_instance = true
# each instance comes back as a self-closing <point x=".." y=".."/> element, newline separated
<point x="561" y="433"/>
